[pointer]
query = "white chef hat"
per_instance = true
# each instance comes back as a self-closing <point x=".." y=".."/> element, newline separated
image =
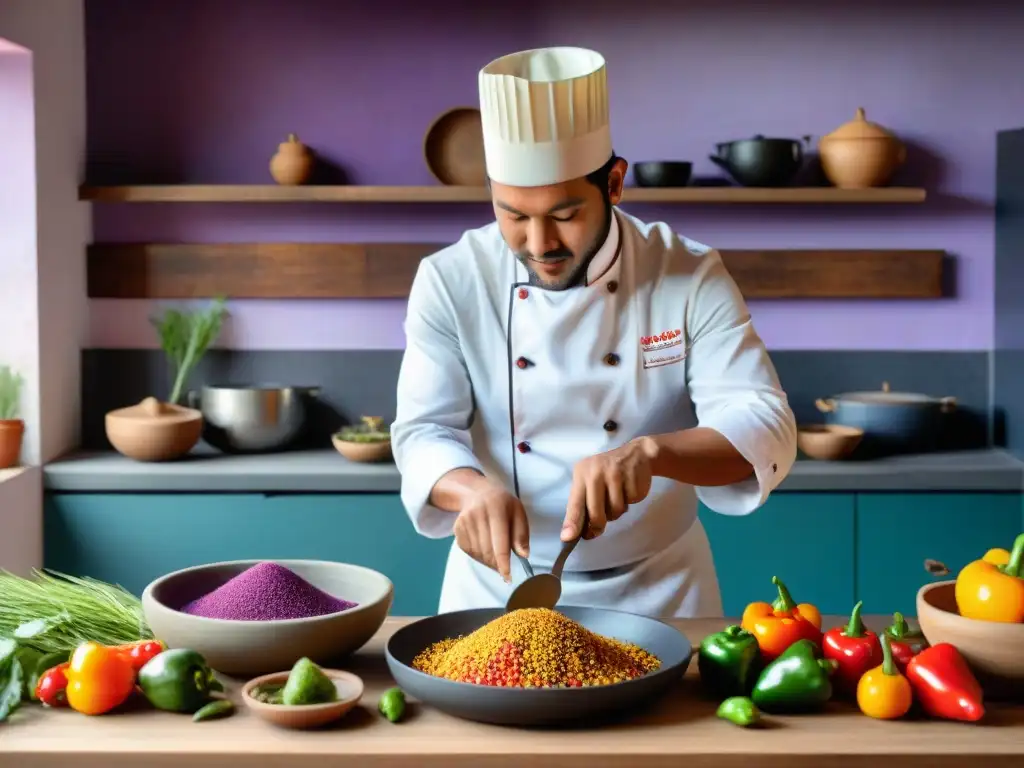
<point x="545" y="116"/>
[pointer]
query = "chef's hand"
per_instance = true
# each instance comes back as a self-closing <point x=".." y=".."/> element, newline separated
<point x="490" y="523"/>
<point x="604" y="486"/>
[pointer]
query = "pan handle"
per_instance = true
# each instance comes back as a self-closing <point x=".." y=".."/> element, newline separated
<point x="947" y="404"/>
<point x="825" y="406"/>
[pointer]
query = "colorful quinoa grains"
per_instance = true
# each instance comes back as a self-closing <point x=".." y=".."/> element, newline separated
<point x="266" y="592"/>
<point x="535" y="648"/>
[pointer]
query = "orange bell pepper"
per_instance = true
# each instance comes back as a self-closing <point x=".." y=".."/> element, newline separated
<point x="883" y="692"/>
<point x="989" y="591"/>
<point x="780" y="624"/>
<point x="99" y="677"/>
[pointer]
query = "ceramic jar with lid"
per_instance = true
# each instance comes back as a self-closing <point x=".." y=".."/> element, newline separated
<point x="293" y="162"/>
<point x="860" y="154"/>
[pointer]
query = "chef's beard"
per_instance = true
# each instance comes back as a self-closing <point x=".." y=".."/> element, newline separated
<point x="577" y="276"/>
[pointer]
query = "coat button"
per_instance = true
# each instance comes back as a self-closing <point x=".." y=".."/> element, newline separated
<point x="522" y="362"/>
<point x="611" y="359"/>
<point x="610" y="426"/>
<point x="523" y="447"/>
<point x="523" y="293"/>
<point x="613" y="286"/>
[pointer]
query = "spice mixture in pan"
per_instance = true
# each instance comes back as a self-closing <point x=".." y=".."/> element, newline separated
<point x="535" y="648"/>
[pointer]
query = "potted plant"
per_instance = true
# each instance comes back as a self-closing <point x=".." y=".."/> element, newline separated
<point x="12" y="428"/>
<point x="163" y="430"/>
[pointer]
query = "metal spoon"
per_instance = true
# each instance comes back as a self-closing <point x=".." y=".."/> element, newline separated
<point x="542" y="590"/>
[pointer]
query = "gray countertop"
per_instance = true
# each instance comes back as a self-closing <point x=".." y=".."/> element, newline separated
<point x="324" y="471"/>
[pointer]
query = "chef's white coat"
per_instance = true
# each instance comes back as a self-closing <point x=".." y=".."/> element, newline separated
<point x="521" y="383"/>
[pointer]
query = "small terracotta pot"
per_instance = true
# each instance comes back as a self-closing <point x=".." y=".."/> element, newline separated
<point x="363" y="452"/>
<point x="154" y="431"/>
<point x="11" y="433"/>
<point x="861" y="154"/>
<point x="293" y="163"/>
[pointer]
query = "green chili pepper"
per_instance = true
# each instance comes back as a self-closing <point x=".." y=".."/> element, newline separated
<point x="740" y="711"/>
<point x="392" y="704"/>
<point x="799" y="680"/>
<point x="215" y="709"/>
<point x="729" y="662"/>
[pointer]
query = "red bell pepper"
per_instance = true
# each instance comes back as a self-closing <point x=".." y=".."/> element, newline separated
<point x="142" y="651"/>
<point x="944" y="684"/>
<point x="52" y="688"/>
<point x="854" y="648"/>
<point x="905" y="642"/>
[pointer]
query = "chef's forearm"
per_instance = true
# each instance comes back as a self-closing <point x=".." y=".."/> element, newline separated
<point x="451" y="491"/>
<point x="699" y="456"/>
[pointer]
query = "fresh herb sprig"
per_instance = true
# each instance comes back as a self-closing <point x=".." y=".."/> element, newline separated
<point x="10" y="393"/>
<point x="185" y="337"/>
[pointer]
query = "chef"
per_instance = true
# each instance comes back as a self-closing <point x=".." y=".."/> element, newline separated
<point x="572" y="364"/>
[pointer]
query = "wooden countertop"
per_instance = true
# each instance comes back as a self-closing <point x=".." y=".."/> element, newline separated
<point x="681" y="730"/>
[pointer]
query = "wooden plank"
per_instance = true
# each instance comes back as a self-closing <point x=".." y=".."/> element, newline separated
<point x="386" y="270"/>
<point x="270" y="193"/>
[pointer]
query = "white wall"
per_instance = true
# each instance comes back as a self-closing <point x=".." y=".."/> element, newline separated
<point x="53" y="30"/>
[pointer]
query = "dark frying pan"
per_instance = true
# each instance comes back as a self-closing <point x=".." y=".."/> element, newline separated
<point x="539" y="706"/>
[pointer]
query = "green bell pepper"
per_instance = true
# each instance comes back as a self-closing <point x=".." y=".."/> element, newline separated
<point x="799" y="680"/>
<point x="729" y="662"/>
<point x="178" y="680"/>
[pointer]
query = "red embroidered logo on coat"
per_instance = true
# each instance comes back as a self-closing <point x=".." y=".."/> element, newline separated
<point x="661" y="340"/>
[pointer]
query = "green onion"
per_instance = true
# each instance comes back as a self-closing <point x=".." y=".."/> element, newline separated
<point x="54" y="612"/>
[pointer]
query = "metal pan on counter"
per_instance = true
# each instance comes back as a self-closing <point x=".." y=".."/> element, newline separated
<point x="893" y="422"/>
<point x="539" y="706"/>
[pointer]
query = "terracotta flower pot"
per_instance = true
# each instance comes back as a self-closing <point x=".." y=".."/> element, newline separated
<point x="11" y="433"/>
<point x="293" y="163"/>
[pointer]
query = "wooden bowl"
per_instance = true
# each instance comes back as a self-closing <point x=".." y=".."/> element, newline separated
<point x="828" y="442"/>
<point x="154" y="431"/>
<point x="350" y="690"/>
<point x="364" y="452"/>
<point x="993" y="649"/>
<point x="454" y="148"/>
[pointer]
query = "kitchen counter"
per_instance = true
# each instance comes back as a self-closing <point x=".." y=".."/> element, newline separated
<point x="680" y="729"/>
<point x="325" y="471"/>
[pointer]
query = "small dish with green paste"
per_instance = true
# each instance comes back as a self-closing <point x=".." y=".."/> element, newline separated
<point x="367" y="441"/>
<point x="305" y="697"/>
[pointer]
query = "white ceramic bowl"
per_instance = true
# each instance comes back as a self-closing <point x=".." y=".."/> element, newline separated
<point x="259" y="647"/>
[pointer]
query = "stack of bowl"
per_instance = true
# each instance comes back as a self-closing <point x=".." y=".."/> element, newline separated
<point x="259" y="647"/>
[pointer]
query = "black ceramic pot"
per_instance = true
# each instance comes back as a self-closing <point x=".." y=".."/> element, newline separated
<point x="761" y="162"/>
<point x="666" y="173"/>
<point x="893" y="422"/>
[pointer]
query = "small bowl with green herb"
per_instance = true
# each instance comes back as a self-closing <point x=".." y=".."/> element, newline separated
<point x="308" y="696"/>
<point x="367" y="441"/>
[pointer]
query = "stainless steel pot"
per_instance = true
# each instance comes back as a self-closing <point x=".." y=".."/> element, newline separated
<point x="893" y="422"/>
<point x="251" y="419"/>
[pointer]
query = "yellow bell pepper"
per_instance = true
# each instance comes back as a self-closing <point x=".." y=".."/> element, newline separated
<point x="989" y="590"/>
<point x="997" y="556"/>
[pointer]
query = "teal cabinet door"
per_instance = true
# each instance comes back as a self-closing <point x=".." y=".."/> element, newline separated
<point x="131" y="539"/>
<point x="806" y="539"/>
<point x="896" y="533"/>
<point x="372" y="530"/>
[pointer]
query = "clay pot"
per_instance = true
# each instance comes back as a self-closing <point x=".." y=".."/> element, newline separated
<point x="11" y="433"/>
<point x="828" y="442"/>
<point x="154" y="431"/>
<point x="860" y="154"/>
<point x="293" y="162"/>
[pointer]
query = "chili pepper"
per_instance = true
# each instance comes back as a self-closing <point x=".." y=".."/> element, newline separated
<point x="855" y="648"/>
<point x="729" y="662"/>
<point x="798" y="680"/>
<point x="142" y="651"/>
<point x="883" y="692"/>
<point x="991" y="592"/>
<point x="216" y="709"/>
<point x="740" y="711"/>
<point x="99" y="677"/>
<point x="52" y="688"/>
<point x="780" y="624"/>
<point x="178" y="680"/>
<point x="906" y="643"/>
<point x="944" y="684"/>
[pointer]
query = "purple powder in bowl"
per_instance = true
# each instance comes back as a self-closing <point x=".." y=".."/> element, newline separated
<point x="266" y="592"/>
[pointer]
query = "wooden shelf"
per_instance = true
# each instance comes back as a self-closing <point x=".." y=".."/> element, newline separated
<point x="386" y="270"/>
<point x="271" y="193"/>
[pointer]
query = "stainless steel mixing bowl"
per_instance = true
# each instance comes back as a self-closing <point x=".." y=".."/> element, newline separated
<point x="250" y="419"/>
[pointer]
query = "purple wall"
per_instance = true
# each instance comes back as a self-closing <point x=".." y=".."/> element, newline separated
<point x="203" y="91"/>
